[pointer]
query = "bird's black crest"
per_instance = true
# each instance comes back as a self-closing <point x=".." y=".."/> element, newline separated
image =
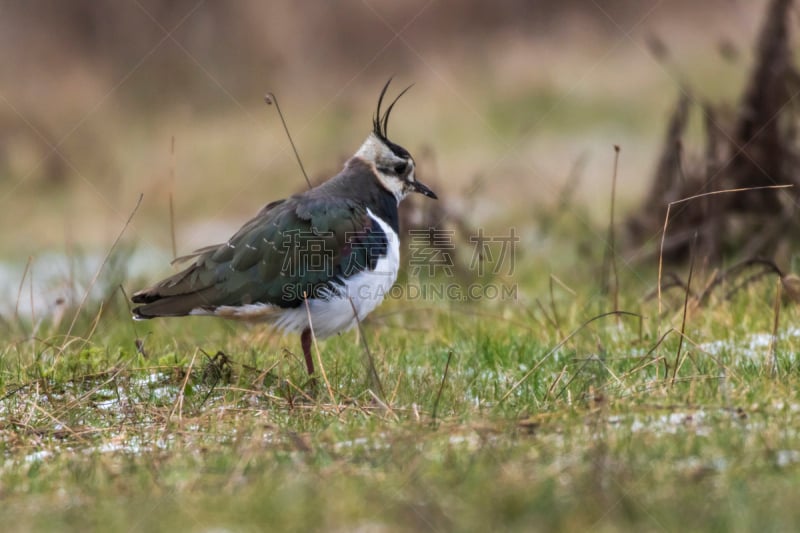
<point x="380" y="122"/>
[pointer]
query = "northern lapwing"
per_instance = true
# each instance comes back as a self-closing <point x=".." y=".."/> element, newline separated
<point x="329" y="254"/>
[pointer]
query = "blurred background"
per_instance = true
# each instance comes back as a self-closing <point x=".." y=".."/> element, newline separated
<point x="512" y="102"/>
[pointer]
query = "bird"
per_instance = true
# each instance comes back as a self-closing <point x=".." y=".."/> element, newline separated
<point x="315" y="263"/>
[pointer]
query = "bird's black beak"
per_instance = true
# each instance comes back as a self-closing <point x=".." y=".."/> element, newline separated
<point x="423" y="189"/>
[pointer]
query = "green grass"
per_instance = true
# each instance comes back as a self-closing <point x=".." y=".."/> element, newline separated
<point x="592" y="435"/>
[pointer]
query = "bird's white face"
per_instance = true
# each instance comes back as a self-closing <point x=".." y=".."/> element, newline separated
<point x="393" y="166"/>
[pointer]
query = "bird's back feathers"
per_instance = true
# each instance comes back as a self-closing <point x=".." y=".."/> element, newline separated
<point x="293" y="248"/>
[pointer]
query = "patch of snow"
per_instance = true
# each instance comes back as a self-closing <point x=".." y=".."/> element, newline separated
<point x="784" y="458"/>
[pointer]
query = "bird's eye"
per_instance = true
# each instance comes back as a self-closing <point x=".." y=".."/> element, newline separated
<point x="400" y="168"/>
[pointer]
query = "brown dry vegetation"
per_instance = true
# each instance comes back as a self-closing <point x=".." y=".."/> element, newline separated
<point x="754" y="146"/>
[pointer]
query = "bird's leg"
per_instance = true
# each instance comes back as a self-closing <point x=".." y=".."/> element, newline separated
<point x="305" y="340"/>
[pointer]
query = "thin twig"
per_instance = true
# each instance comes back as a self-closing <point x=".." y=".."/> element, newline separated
<point x="571" y="184"/>
<point x="685" y="308"/>
<point x="59" y="423"/>
<point x="555" y="382"/>
<point x="441" y="385"/>
<point x="263" y="373"/>
<point x="300" y="391"/>
<point x="21" y="284"/>
<point x="138" y="342"/>
<point x="747" y="281"/>
<point x="546" y="315"/>
<point x="270" y="99"/>
<point x="178" y="405"/>
<point x="673" y="280"/>
<point x="553" y="309"/>
<point x="373" y="373"/>
<point x="563" y="285"/>
<point x="396" y="388"/>
<point x="611" y="239"/>
<point x="316" y="349"/>
<point x="382" y="404"/>
<point x="34" y="327"/>
<point x="687" y="199"/>
<point x="768" y="265"/>
<point x="574" y="376"/>
<point x="116" y="371"/>
<point x="102" y="265"/>
<point x="171" y="195"/>
<point x="528" y="374"/>
<point x="95" y="323"/>
<point x="776" y="311"/>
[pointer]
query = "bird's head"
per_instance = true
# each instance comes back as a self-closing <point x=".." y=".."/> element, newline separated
<point x="394" y="166"/>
